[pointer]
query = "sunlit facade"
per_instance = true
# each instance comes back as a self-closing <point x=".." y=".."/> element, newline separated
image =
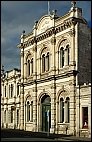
<point x="55" y="88"/>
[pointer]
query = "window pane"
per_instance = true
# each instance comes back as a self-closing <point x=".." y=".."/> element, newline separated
<point x="43" y="63"/>
<point x="85" y="117"/>
<point x="61" y="110"/>
<point x="61" y="57"/>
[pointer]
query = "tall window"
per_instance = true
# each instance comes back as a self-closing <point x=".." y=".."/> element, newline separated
<point x="32" y="111"/>
<point x="64" y="110"/>
<point x="5" y="91"/>
<point x="28" y="65"/>
<point x="68" y="54"/>
<point x="32" y="65"/>
<point x="17" y="117"/>
<point x="12" y="115"/>
<point x="85" y="117"/>
<point x="67" y="110"/>
<point x="5" y="116"/>
<point x="11" y="90"/>
<point x="28" y="111"/>
<point x="17" y="89"/>
<point x="61" y="110"/>
<point x="61" y="57"/>
<point x="43" y="63"/>
<point x="47" y="61"/>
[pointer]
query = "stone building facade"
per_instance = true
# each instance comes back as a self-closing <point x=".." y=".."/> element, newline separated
<point x="55" y="59"/>
<point x="10" y="99"/>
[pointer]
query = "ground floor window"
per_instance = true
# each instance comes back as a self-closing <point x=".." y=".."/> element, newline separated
<point x="5" y="116"/>
<point x="85" y="117"/>
<point x="17" y="117"/>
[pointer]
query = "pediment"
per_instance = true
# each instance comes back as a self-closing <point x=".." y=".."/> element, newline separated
<point x="43" y="24"/>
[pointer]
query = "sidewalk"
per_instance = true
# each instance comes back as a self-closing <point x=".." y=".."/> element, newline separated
<point x="74" y="138"/>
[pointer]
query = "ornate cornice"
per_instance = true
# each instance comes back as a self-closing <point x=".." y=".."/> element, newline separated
<point x="49" y="32"/>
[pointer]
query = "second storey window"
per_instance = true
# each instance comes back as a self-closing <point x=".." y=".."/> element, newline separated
<point x="11" y="90"/>
<point x="28" y="67"/>
<point x="47" y="62"/>
<point x="43" y="63"/>
<point x="32" y="66"/>
<point x="5" y="91"/>
<point x="61" y="57"/>
<point x="17" y="89"/>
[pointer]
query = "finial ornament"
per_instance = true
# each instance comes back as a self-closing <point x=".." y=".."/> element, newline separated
<point x="73" y="3"/>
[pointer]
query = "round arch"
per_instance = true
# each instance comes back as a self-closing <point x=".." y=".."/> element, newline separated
<point x="61" y="40"/>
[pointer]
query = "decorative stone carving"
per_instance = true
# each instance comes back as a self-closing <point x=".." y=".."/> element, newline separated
<point x="53" y="40"/>
<point x="72" y="32"/>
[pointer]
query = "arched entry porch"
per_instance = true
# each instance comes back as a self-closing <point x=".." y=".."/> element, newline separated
<point x="46" y="113"/>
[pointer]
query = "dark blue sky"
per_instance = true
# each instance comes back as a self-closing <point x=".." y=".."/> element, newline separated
<point x="17" y="16"/>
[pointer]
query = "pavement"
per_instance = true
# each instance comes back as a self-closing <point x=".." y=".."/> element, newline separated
<point x="21" y="135"/>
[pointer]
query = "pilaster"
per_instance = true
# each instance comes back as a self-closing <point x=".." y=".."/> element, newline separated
<point x="72" y="107"/>
<point x="53" y="108"/>
<point x="35" y="107"/>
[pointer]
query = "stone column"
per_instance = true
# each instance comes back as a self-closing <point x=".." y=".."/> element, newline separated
<point x="53" y="42"/>
<point x="72" y="34"/>
<point x="72" y="107"/>
<point x="22" y="65"/>
<point x="25" y="71"/>
<point x="35" y="107"/>
<point x="35" y="51"/>
<point x="22" y="108"/>
<point x="57" y="116"/>
<point x="35" y="61"/>
<point x="22" y="90"/>
<point x="53" y="109"/>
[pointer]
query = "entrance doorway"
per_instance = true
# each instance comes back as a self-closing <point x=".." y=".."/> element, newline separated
<point x="46" y="113"/>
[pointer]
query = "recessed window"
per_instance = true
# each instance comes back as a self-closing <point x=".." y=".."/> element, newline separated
<point x="85" y="117"/>
<point x="5" y="91"/>
<point x="61" y="57"/>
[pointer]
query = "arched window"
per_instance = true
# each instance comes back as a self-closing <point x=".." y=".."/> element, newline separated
<point x="17" y="89"/>
<point x="67" y="110"/>
<point x="11" y="90"/>
<point x="61" y="110"/>
<point x="61" y="57"/>
<point x="28" y="67"/>
<point x="5" y="116"/>
<point x="12" y="110"/>
<point x="5" y="91"/>
<point x="17" y="117"/>
<point x="68" y="54"/>
<point x="28" y="111"/>
<point x="43" y="63"/>
<point x="32" y="111"/>
<point x="32" y="65"/>
<point x="47" y="61"/>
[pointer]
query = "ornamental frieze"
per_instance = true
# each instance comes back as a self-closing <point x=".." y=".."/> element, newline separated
<point x="51" y="31"/>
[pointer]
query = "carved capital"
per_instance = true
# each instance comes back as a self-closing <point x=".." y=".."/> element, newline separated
<point x="53" y="40"/>
<point x="35" y="48"/>
<point x="72" y="32"/>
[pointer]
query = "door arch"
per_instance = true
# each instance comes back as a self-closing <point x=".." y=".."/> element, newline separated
<point x="46" y="113"/>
